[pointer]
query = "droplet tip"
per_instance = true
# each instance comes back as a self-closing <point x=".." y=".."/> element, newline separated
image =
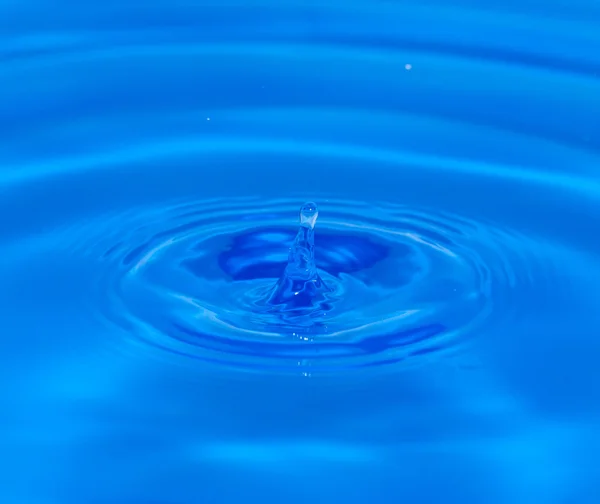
<point x="308" y="214"/>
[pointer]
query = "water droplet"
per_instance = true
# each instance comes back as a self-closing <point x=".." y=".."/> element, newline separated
<point x="308" y="215"/>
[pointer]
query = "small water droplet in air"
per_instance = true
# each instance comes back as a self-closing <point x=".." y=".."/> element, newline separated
<point x="308" y="215"/>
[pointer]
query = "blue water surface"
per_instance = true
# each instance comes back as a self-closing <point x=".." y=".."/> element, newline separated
<point x="154" y="156"/>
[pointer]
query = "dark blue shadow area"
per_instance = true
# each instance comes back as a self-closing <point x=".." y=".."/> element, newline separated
<point x="263" y="254"/>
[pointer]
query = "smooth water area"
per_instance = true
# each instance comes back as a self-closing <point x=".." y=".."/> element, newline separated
<point x="178" y="327"/>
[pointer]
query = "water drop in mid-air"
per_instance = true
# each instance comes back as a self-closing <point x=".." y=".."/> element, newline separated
<point x="300" y="285"/>
<point x="308" y="215"/>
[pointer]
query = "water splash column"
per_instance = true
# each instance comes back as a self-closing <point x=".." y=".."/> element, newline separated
<point x="300" y="286"/>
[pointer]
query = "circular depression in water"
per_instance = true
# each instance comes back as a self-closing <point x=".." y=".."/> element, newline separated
<point x="190" y="279"/>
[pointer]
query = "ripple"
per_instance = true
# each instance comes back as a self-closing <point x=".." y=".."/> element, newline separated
<point x="190" y="278"/>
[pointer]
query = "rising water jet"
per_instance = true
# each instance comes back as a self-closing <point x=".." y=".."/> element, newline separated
<point x="300" y="286"/>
